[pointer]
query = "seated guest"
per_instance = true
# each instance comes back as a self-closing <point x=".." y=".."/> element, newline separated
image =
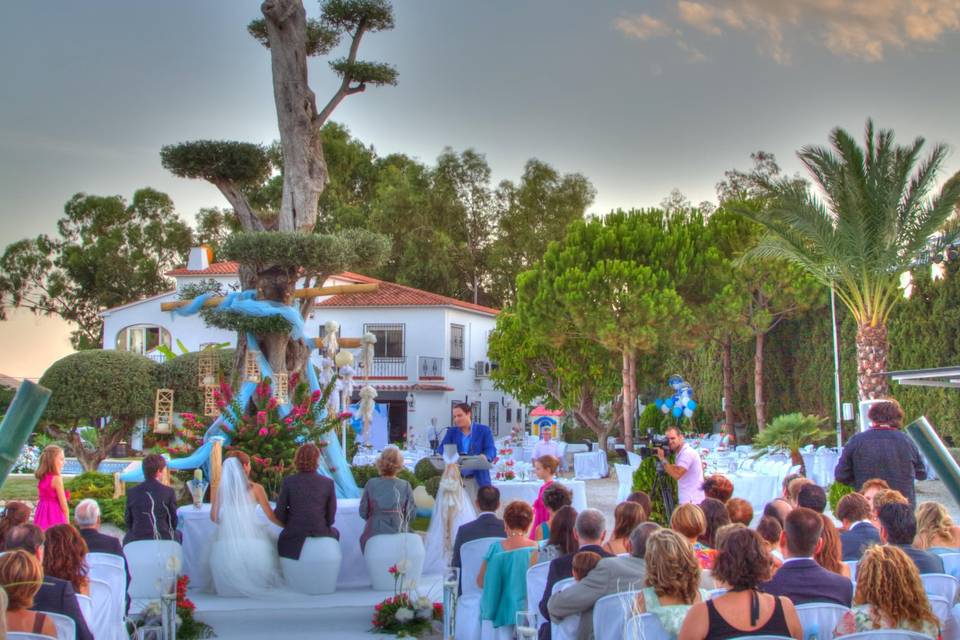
<point x="689" y="521"/>
<point x="800" y="578"/>
<point x="151" y="506"/>
<point x="641" y="499"/>
<point x="503" y="573"/>
<point x="307" y="505"/>
<point x="546" y="446"/>
<point x="545" y="469"/>
<point x="769" y="529"/>
<point x="55" y="595"/>
<point x="555" y="497"/>
<point x="87" y="515"/>
<point x="15" y="513"/>
<point x="886" y="496"/>
<point x="21" y="577"/>
<point x="589" y="532"/>
<point x="812" y="496"/>
<point x="830" y="552"/>
<point x="869" y="490"/>
<point x="785" y="485"/>
<point x="778" y="508"/>
<point x="387" y="503"/>
<point x="859" y="532"/>
<point x="611" y="575"/>
<point x="673" y="580"/>
<point x="626" y="517"/>
<point x="877" y="606"/>
<point x="718" y="487"/>
<point x="742" y="564"/>
<point x="716" y="515"/>
<point x="487" y="524"/>
<point x="583" y="563"/>
<point x="936" y="532"/>
<point x="898" y="527"/>
<point x="793" y="489"/>
<point x="739" y="510"/>
<point x="563" y="535"/>
<point x="65" y="557"/>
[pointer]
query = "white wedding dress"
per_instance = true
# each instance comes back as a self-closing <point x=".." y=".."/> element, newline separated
<point x="452" y="509"/>
<point x="243" y="558"/>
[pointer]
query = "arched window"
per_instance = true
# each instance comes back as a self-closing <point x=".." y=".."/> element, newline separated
<point x="142" y="338"/>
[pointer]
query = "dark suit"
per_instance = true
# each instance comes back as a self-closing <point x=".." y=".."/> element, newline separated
<point x="151" y="503"/>
<point x="855" y="541"/>
<point x="307" y="507"/>
<point x="926" y="562"/>
<point x="487" y="525"/>
<point x="560" y="569"/>
<point x="804" y="581"/>
<point x="481" y="442"/>
<point x="102" y="543"/>
<point x="57" y="596"/>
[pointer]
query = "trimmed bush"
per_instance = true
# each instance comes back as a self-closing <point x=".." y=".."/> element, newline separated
<point x="425" y="470"/>
<point x="180" y="374"/>
<point x="98" y="486"/>
<point x="836" y="491"/>
<point x="432" y="485"/>
<point x="363" y="473"/>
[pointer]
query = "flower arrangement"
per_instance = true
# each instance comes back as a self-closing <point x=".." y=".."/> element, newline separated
<point x="188" y="628"/>
<point x="404" y="614"/>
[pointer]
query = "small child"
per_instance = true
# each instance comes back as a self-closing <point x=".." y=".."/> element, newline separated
<point x="583" y="563"/>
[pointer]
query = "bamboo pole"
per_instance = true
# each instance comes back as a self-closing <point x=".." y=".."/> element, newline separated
<point x="119" y="486"/>
<point x="345" y="343"/>
<point x="216" y="464"/>
<point x="332" y="290"/>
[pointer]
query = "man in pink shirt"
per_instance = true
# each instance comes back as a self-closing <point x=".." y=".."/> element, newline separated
<point x="687" y="468"/>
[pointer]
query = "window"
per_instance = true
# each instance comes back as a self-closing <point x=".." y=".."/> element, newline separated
<point x="142" y="339"/>
<point x="509" y="415"/>
<point x="389" y="340"/>
<point x="476" y="412"/>
<point x="457" y="352"/>
<point x="493" y="409"/>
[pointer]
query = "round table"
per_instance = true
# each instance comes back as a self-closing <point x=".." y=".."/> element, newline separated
<point x="756" y="488"/>
<point x="527" y="491"/>
<point x="591" y="465"/>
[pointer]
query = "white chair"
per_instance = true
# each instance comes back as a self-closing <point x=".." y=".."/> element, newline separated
<point x="66" y="627"/>
<point x="646" y="626"/>
<point x="884" y="634"/>
<point x="316" y="571"/>
<point x="536" y="585"/>
<point x="562" y="452"/>
<point x="106" y="558"/>
<point x="634" y="459"/>
<point x="951" y="564"/>
<point x="385" y="551"/>
<point x="154" y="567"/>
<point x="24" y="635"/>
<point x="942" y="609"/>
<point x="706" y="580"/>
<point x="565" y="629"/>
<point x="114" y="579"/>
<point x="86" y="608"/>
<point x="716" y="593"/>
<point x="468" y="604"/>
<point x="820" y="619"/>
<point x="610" y="614"/>
<point x="853" y="568"/>
<point x="940" y="584"/>
<point x="107" y="616"/>
<point x="624" y="481"/>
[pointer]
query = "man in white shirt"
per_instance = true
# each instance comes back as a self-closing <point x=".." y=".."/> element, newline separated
<point x="687" y="469"/>
<point x="546" y="446"/>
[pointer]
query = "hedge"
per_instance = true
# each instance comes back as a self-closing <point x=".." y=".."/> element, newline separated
<point x="180" y="374"/>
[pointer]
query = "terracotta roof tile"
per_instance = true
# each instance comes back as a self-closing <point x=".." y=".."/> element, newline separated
<point x="391" y="294"/>
<point x="227" y="268"/>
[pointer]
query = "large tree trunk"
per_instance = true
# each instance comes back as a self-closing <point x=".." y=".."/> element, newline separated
<point x="728" y="417"/>
<point x="759" y="404"/>
<point x="872" y="348"/>
<point x="629" y="364"/>
<point x="587" y="414"/>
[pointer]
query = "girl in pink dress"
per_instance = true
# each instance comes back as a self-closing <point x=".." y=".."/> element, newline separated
<point x="545" y="467"/>
<point x="52" y="506"/>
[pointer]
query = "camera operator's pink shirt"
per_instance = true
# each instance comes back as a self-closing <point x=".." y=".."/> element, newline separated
<point x="690" y="485"/>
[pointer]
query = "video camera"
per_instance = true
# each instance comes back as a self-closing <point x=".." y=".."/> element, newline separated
<point x="654" y="441"/>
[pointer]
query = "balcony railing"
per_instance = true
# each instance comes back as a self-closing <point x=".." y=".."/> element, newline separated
<point x="386" y="368"/>
<point x="430" y="368"/>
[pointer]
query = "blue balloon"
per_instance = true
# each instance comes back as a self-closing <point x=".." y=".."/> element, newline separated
<point x="688" y="413"/>
<point x="677" y="412"/>
<point x="658" y="402"/>
<point x="668" y="403"/>
<point x="692" y="405"/>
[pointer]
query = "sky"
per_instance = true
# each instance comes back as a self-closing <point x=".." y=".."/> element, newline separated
<point x="641" y="97"/>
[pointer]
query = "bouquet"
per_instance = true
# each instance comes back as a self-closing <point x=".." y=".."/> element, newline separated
<point x="405" y="614"/>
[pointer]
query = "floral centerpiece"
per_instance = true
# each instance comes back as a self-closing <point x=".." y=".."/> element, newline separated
<point x="188" y="628"/>
<point x="405" y="614"/>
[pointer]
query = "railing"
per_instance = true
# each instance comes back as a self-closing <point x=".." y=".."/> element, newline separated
<point x="430" y="368"/>
<point x="385" y="368"/>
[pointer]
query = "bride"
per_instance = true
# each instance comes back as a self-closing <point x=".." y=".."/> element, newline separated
<point x="451" y="510"/>
<point x="243" y="559"/>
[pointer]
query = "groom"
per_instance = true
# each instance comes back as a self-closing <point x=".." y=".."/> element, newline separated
<point x="471" y="439"/>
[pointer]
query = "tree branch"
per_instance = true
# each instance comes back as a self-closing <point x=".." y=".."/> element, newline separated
<point x="241" y="206"/>
<point x="345" y="88"/>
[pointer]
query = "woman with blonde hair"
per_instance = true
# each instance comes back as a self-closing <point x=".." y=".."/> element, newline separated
<point x="21" y="576"/>
<point x="689" y="521"/>
<point x="626" y="517"/>
<point x="387" y="502"/>
<point x="52" y="508"/>
<point x="673" y="580"/>
<point x="935" y="529"/>
<point x="879" y="606"/>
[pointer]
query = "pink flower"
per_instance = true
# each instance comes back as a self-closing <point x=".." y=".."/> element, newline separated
<point x="272" y="404"/>
<point x="262" y="432"/>
<point x="315" y="395"/>
<point x="344" y="415"/>
<point x="188" y="416"/>
<point x="221" y="404"/>
<point x="294" y="379"/>
<point x="288" y="420"/>
<point x="261" y="417"/>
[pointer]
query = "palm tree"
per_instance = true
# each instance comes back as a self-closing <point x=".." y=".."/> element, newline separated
<point x="873" y="217"/>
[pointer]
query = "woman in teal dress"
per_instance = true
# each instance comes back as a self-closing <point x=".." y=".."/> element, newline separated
<point x="673" y="579"/>
<point x="503" y="574"/>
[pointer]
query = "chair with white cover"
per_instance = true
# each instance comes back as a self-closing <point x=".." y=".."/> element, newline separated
<point x="66" y="627"/>
<point x="940" y="584"/>
<point x="468" y="604"/>
<point x="634" y="459"/>
<point x="25" y="635"/>
<point x="86" y="608"/>
<point x="154" y="566"/>
<point x="611" y="613"/>
<point x="852" y="564"/>
<point x="106" y="558"/>
<point x="819" y="619"/>
<point x="565" y="629"/>
<point x="562" y="455"/>
<point x="644" y="625"/>
<point x="624" y="481"/>
<point x="883" y="634"/>
<point x="315" y="571"/>
<point x="387" y="550"/>
<point x="951" y="564"/>
<point x="536" y="585"/>
<point x="716" y="593"/>
<point x="106" y="621"/>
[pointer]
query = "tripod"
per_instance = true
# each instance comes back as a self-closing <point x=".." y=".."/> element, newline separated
<point x="662" y="487"/>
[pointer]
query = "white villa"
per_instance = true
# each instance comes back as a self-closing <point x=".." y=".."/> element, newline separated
<point x="431" y="350"/>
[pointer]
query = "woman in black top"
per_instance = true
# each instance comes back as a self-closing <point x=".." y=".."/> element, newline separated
<point x="742" y="564"/>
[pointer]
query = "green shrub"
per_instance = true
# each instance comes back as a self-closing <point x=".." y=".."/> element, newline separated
<point x="425" y="470"/>
<point x="575" y="434"/>
<point x="432" y="485"/>
<point x="650" y="420"/>
<point x="836" y="492"/>
<point x="180" y="374"/>
<point x="98" y="486"/>
<point x="701" y="421"/>
<point x="363" y="473"/>
<point x="643" y="479"/>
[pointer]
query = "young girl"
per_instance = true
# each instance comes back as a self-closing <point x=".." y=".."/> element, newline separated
<point x="545" y="467"/>
<point x="583" y="563"/>
<point x="52" y="506"/>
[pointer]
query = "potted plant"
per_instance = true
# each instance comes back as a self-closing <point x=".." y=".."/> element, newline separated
<point x="791" y="431"/>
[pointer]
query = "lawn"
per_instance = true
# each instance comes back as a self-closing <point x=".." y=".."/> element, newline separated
<point x="19" y="488"/>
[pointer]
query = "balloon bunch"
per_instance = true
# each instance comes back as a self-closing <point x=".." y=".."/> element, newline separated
<point x="681" y="403"/>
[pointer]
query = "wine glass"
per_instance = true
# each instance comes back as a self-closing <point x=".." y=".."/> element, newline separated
<point x="526" y="625"/>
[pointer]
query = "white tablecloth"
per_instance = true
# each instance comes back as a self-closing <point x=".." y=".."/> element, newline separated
<point x="527" y="491"/>
<point x="757" y="489"/>
<point x="198" y="530"/>
<point x="591" y="465"/>
<point x="820" y="465"/>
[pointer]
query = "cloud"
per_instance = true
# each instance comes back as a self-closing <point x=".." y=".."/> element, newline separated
<point x="860" y="29"/>
<point x="642" y="27"/>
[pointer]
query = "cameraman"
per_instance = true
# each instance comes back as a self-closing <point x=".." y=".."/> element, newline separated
<point x="687" y="469"/>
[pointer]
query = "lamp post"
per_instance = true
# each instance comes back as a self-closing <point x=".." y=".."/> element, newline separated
<point x="836" y="366"/>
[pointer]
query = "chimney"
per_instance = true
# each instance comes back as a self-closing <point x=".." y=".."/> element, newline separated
<point x="199" y="259"/>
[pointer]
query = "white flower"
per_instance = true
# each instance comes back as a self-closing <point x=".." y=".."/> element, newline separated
<point x="403" y="615"/>
<point x="425" y="614"/>
<point x="423" y="602"/>
<point x="173" y="564"/>
<point x="402" y="566"/>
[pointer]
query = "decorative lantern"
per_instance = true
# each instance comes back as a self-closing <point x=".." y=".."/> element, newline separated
<point x="251" y="366"/>
<point x="280" y="389"/>
<point x="210" y="408"/>
<point x="207" y="368"/>
<point x="163" y="412"/>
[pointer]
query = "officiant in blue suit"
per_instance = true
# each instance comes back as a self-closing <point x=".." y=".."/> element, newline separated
<point x="472" y="439"/>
